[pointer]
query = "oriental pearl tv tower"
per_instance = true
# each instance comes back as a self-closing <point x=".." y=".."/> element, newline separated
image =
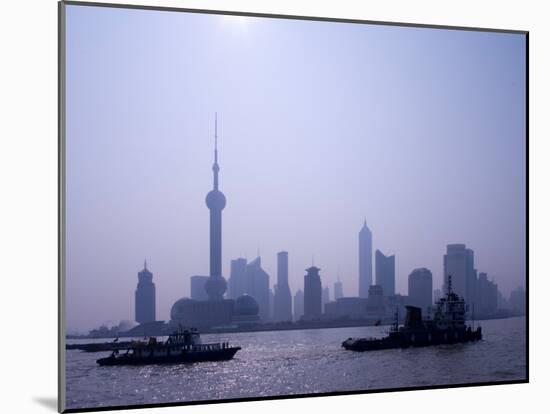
<point x="215" y="201"/>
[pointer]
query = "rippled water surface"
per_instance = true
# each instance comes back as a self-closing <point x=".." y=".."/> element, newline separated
<point x="298" y="362"/>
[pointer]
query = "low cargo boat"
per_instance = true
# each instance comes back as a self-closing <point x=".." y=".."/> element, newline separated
<point x="448" y="326"/>
<point x="99" y="347"/>
<point x="180" y="347"/>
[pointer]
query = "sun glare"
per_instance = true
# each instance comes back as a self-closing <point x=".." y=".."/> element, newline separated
<point x="238" y="24"/>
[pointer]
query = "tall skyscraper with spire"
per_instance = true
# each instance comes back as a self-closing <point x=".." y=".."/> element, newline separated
<point x="215" y="201"/>
<point x="145" y="296"/>
<point x="365" y="260"/>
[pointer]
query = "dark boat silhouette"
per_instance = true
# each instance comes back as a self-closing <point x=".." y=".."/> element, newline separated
<point x="447" y="327"/>
<point x="180" y="347"/>
<point x="100" y="347"/>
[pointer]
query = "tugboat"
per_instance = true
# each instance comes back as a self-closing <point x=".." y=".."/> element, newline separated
<point x="447" y="327"/>
<point x="180" y="347"/>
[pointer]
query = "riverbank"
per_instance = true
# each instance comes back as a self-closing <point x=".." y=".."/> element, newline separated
<point x="165" y="329"/>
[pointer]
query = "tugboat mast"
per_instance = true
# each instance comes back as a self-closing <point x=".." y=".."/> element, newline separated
<point x="473" y="316"/>
<point x="396" y="323"/>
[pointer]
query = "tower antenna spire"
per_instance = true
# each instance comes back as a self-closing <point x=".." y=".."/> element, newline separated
<point x="216" y="138"/>
<point x="216" y="167"/>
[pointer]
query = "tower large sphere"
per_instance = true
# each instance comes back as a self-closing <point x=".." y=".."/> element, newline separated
<point x="215" y="200"/>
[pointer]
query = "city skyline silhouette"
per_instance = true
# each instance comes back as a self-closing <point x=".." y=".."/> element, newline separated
<point x="430" y="151"/>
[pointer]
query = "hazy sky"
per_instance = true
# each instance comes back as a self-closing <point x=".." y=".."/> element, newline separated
<point x="320" y="124"/>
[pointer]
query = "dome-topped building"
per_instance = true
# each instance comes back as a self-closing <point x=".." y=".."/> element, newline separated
<point x="246" y="305"/>
<point x="246" y="310"/>
<point x="190" y="313"/>
<point x="180" y="308"/>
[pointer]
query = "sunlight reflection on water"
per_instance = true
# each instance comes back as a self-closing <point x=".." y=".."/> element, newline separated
<point x="298" y="362"/>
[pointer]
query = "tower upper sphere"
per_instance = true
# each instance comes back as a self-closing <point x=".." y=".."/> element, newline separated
<point x="215" y="200"/>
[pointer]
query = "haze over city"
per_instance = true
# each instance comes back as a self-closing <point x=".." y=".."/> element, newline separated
<point x="321" y="126"/>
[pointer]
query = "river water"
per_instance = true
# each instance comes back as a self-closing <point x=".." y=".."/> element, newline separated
<point x="300" y="362"/>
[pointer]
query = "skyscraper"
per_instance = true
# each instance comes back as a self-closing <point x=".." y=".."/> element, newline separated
<point x="198" y="292"/>
<point x="298" y="305"/>
<point x="215" y="201"/>
<point x="237" y="278"/>
<point x="517" y="301"/>
<point x="487" y="296"/>
<point x="325" y="297"/>
<point x="283" y="299"/>
<point x="271" y="309"/>
<point x="258" y="286"/>
<point x="338" y="290"/>
<point x="365" y="261"/>
<point x="376" y="307"/>
<point x="312" y="294"/>
<point x="145" y="296"/>
<point x="459" y="263"/>
<point x="385" y="272"/>
<point x="420" y="288"/>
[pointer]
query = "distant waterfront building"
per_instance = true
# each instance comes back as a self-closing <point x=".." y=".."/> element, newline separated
<point x="237" y="278"/>
<point x="376" y="296"/>
<point x="459" y="263"/>
<point x="271" y="303"/>
<point x="298" y="305"/>
<point x="312" y="294"/>
<point x="258" y="286"/>
<point x="420" y="289"/>
<point x="502" y="302"/>
<point x="145" y="296"/>
<point x="190" y="313"/>
<point x="385" y="272"/>
<point x="396" y="303"/>
<point x="338" y="290"/>
<point x="376" y="302"/>
<point x="198" y="291"/>
<point x="487" y="296"/>
<point x="365" y="260"/>
<point x="347" y="308"/>
<point x="325" y="297"/>
<point x="517" y="301"/>
<point x="283" y="299"/>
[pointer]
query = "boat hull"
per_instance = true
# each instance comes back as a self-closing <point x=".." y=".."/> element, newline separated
<point x="412" y="339"/>
<point x="183" y="357"/>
